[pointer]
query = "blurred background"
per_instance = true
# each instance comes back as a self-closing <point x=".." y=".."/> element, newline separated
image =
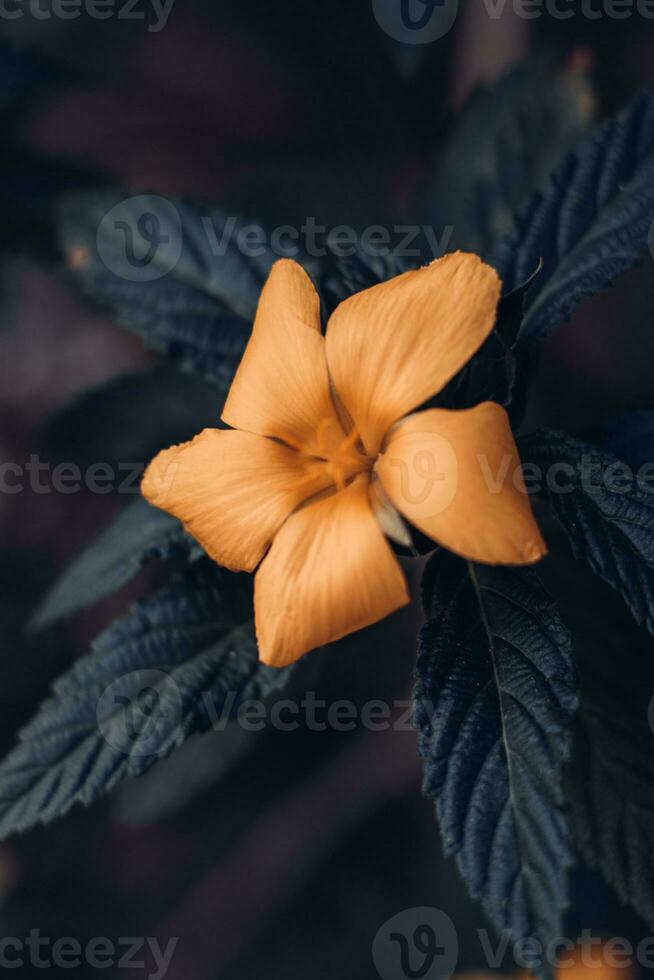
<point x="277" y="854"/>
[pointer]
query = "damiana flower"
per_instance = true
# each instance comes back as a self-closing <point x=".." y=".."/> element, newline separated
<point x="324" y="454"/>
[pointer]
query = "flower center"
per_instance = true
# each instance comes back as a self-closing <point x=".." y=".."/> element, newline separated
<point x="347" y="460"/>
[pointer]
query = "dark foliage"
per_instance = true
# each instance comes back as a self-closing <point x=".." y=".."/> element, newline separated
<point x="607" y="513"/>
<point x="494" y="704"/>
<point x="590" y="225"/>
<point x="176" y="664"/>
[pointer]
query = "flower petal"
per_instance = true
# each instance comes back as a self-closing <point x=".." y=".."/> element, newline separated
<point x="328" y="573"/>
<point x="390" y="521"/>
<point x="456" y="476"/>
<point x="395" y="345"/>
<point x="232" y="491"/>
<point x="281" y="387"/>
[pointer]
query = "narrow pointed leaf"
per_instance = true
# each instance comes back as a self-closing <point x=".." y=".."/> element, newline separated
<point x="495" y="701"/>
<point x="126" y="421"/>
<point x="140" y="533"/>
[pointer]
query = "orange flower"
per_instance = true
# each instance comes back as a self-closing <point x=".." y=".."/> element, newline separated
<point x="324" y="457"/>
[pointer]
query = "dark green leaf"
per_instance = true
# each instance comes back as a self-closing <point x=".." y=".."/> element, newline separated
<point x="610" y="783"/>
<point x="174" y="665"/>
<point x="175" y="272"/>
<point x="495" y="701"/>
<point x="590" y="225"/>
<point x="130" y="418"/>
<point x="508" y="141"/>
<point x="140" y="533"/>
<point x="606" y="512"/>
<point x="361" y="270"/>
